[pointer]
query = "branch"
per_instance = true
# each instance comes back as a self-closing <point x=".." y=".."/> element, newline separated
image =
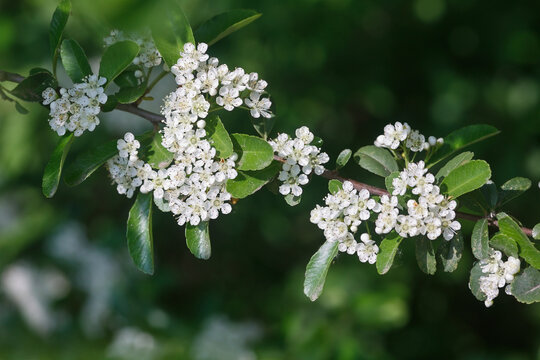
<point x="12" y="77"/>
<point x="156" y="119"/>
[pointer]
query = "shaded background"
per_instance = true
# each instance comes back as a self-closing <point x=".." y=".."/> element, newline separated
<point x="345" y="68"/>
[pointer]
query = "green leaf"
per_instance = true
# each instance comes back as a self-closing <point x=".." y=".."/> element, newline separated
<point x="172" y="33"/>
<point x="513" y="188"/>
<point x="249" y="182"/>
<point x="53" y="170"/>
<point x="425" y="255"/>
<point x="293" y="200"/>
<point x="20" y="109"/>
<point x="450" y="252"/>
<point x="462" y="138"/>
<point x="128" y="95"/>
<point x="127" y="78"/>
<point x="527" y="250"/>
<point x="39" y="70"/>
<point x="116" y="58"/>
<point x="536" y="232"/>
<point x="139" y="233"/>
<point x="526" y="286"/>
<point x="224" y="24"/>
<point x="466" y="178"/>
<point x="474" y="282"/>
<point x="219" y="137"/>
<point x="376" y="160"/>
<point x="74" y="60"/>
<point x="253" y="153"/>
<point x="198" y="240"/>
<point x="56" y="28"/>
<point x="480" y="239"/>
<point x="157" y="155"/>
<point x="454" y="163"/>
<point x="317" y="268"/>
<point x="111" y="104"/>
<point x="91" y="160"/>
<point x="30" y="89"/>
<point x="389" y="180"/>
<point x="503" y="243"/>
<point x="334" y="186"/>
<point x="263" y="125"/>
<point x="388" y="250"/>
<point x="343" y="158"/>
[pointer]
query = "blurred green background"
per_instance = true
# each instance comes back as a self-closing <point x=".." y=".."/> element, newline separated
<point x="345" y="68"/>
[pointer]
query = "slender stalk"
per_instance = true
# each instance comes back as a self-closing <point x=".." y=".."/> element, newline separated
<point x="156" y="119"/>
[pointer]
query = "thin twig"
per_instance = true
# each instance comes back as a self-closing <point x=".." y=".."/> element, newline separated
<point x="157" y="119"/>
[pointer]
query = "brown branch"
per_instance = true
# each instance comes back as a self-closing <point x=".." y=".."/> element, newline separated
<point x="156" y="119"/>
<point x="12" y="77"/>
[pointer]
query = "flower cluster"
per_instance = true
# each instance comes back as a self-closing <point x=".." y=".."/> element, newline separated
<point x="148" y="56"/>
<point x="429" y="212"/>
<point x="402" y="134"/>
<point x="345" y="210"/>
<point x="192" y="187"/>
<point x="77" y="108"/>
<point x="301" y="159"/>
<point x="198" y="75"/>
<point x="498" y="273"/>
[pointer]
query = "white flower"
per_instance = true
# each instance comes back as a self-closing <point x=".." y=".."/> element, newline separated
<point x="228" y="98"/>
<point x="367" y="249"/>
<point x="259" y="107"/>
<point x="49" y="95"/>
<point x="348" y="245"/>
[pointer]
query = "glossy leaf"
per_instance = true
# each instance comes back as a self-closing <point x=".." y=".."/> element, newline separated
<point x="249" y="182"/>
<point x="513" y="188"/>
<point x="480" y="239"/>
<point x="53" y="170"/>
<point x="116" y="58"/>
<point x="466" y="178"/>
<point x="128" y="95"/>
<point x="526" y="286"/>
<point x="56" y="29"/>
<point x="172" y="33"/>
<point x="527" y="250"/>
<point x="253" y="153"/>
<point x="157" y="155"/>
<point x="30" y="88"/>
<point x="334" y="186"/>
<point x="219" y="137"/>
<point x="387" y="252"/>
<point x="474" y="282"/>
<point x="198" y="240"/>
<point x="454" y="163"/>
<point x="388" y="181"/>
<point x="343" y="158"/>
<point x="224" y="24"/>
<point x="88" y="162"/>
<point x="20" y="109"/>
<point x="450" y="252"/>
<point x="139" y="233"/>
<point x="293" y="200"/>
<point x="536" y="232"/>
<point x="74" y="60"/>
<point x="111" y="104"/>
<point x="505" y="244"/>
<point x="425" y="255"/>
<point x="317" y="269"/>
<point x="462" y="138"/>
<point x="376" y="160"/>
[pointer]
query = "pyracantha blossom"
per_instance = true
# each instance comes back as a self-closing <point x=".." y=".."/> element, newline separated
<point x="148" y="56"/>
<point x="496" y="274"/>
<point x="192" y="186"/>
<point x="76" y="109"/>
<point x="401" y="134"/>
<point x="344" y="212"/>
<point x="300" y="157"/>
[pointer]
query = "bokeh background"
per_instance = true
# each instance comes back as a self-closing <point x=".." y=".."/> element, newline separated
<point x="345" y="68"/>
